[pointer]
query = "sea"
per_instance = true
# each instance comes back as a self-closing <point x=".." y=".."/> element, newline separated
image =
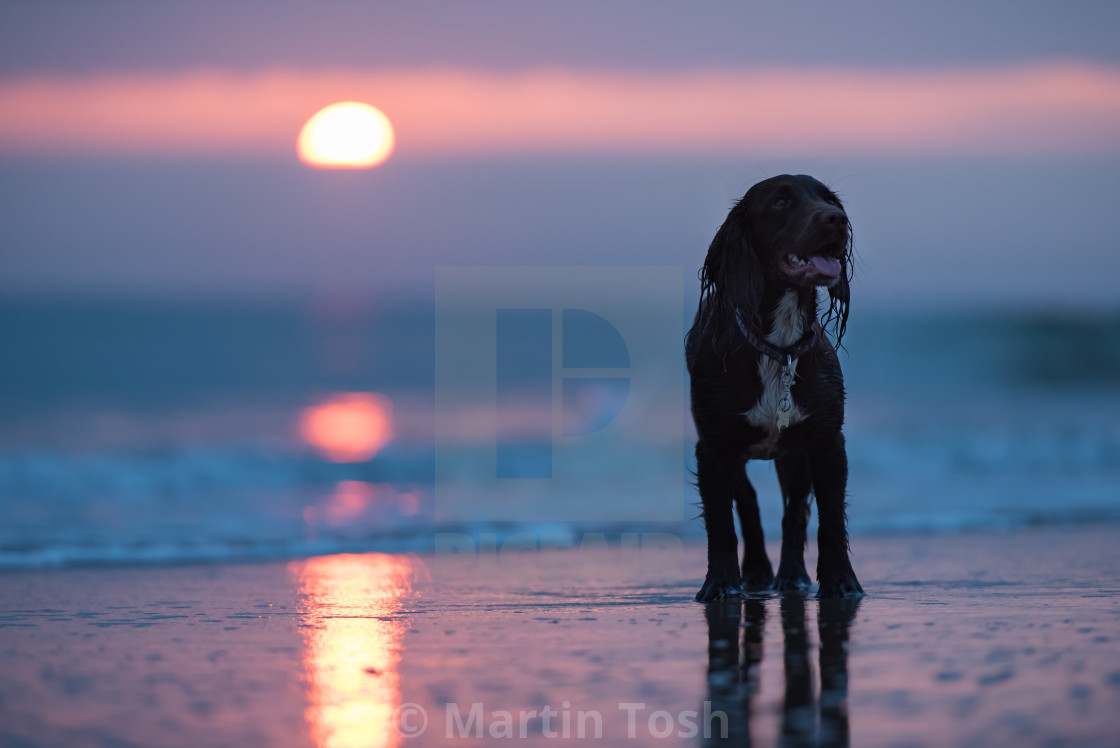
<point x="165" y="430"/>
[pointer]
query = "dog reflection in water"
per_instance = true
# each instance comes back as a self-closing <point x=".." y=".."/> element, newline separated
<point x="736" y="630"/>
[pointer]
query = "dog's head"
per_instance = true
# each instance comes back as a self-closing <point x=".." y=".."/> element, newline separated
<point x="786" y="232"/>
<point x="798" y="230"/>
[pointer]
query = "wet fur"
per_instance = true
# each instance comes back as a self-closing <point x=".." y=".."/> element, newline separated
<point x="735" y="389"/>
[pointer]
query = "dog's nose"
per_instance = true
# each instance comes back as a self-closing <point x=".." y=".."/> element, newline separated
<point x="833" y="217"/>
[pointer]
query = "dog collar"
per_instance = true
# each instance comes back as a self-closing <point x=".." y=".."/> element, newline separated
<point x="782" y="355"/>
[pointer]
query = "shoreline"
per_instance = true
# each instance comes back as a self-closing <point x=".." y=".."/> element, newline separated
<point x="549" y="536"/>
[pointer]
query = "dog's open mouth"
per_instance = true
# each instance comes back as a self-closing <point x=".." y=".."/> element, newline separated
<point x="810" y="267"/>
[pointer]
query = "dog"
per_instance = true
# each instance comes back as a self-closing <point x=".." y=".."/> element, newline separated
<point x="766" y="384"/>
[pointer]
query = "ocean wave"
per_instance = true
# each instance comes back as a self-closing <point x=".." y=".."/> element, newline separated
<point x="143" y="454"/>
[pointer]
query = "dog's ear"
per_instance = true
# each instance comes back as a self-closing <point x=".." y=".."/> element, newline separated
<point x="838" y="296"/>
<point x="731" y="279"/>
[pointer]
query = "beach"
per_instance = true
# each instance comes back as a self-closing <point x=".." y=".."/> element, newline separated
<point x="345" y="399"/>
<point x="986" y="638"/>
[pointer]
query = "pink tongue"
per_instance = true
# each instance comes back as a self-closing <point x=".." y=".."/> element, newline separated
<point x="829" y="266"/>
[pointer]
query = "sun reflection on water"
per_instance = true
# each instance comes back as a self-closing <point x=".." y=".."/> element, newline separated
<point x="348" y="426"/>
<point x="352" y="646"/>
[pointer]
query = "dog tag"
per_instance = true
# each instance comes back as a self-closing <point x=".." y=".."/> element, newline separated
<point x="783" y="419"/>
<point x="785" y="405"/>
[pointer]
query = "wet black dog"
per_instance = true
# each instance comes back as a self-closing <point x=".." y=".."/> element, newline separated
<point x="767" y="385"/>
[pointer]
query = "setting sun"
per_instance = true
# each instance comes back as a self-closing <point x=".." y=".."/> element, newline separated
<point x="346" y="135"/>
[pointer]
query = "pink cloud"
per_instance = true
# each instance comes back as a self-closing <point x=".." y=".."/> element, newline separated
<point x="1039" y="109"/>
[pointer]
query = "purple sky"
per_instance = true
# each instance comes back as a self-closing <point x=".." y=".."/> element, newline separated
<point x="946" y="229"/>
<point x="623" y="34"/>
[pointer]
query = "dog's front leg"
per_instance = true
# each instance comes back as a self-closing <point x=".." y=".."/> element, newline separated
<point x="830" y="483"/>
<point x="715" y="479"/>
<point x="757" y="573"/>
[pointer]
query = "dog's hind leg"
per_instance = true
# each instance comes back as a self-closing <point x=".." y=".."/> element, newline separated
<point x="715" y="477"/>
<point x="758" y="574"/>
<point x="830" y="480"/>
<point x="796" y="482"/>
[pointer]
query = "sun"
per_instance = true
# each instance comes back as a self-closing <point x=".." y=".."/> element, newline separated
<point x="346" y="135"/>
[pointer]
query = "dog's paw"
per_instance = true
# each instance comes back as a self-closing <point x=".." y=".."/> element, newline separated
<point x="757" y="579"/>
<point x="792" y="581"/>
<point x="719" y="589"/>
<point x="844" y="585"/>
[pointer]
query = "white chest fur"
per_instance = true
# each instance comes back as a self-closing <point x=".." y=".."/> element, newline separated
<point x="787" y="329"/>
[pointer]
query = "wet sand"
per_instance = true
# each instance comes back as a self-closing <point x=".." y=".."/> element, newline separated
<point x="969" y="639"/>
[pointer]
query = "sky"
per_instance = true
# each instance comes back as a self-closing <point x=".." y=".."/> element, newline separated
<point x="149" y="148"/>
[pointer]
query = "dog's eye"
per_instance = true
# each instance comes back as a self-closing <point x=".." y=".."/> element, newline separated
<point x="780" y="203"/>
